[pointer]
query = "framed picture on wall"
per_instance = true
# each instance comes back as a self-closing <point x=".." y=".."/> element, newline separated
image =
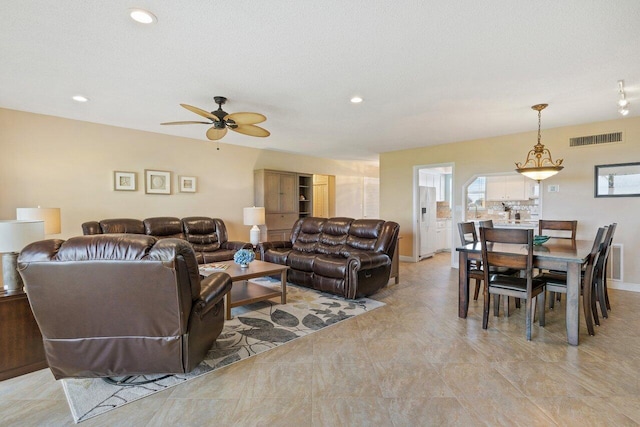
<point x="157" y="182"/>
<point x="124" y="181"/>
<point x="187" y="184"/>
<point x="617" y="180"/>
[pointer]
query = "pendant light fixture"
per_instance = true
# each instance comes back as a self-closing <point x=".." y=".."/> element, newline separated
<point x="539" y="164"/>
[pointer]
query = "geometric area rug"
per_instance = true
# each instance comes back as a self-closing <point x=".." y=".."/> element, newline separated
<point x="253" y="329"/>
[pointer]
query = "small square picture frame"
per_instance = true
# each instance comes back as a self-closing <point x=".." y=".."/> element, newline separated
<point x="124" y="181"/>
<point x="188" y="184"/>
<point x="157" y="182"/>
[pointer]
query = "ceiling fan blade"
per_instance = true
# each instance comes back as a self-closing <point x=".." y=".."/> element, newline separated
<point x="246" y="118"/>
<point x="214" y="134"/>
<point x="200" y="112"/>
<point x="252" y="130"/>
<point x="185" y="123"/>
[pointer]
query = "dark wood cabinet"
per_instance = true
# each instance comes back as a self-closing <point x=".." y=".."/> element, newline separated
<point x="21" y="349"/>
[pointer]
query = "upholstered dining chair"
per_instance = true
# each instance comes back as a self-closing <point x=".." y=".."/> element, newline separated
<point x="511" y="248"/>
<point x="468" y="235"/>
<point x="111" y="305"/>
<point x="557" y="281"/>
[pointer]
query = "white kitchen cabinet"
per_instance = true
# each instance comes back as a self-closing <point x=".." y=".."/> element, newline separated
<point x="506" y="187"/>
<point x="443" y="235"/>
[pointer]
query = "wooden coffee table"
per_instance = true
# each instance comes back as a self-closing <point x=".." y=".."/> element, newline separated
<point x="244" y="292"/>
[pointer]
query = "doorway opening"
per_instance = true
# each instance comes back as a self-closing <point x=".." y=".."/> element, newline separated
<point x="433" y="200"/>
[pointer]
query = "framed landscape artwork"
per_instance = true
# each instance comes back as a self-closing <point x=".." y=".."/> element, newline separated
<point x="187" y="184"/>
<point x="157" y="182"/>
<point x="124" y="181"/>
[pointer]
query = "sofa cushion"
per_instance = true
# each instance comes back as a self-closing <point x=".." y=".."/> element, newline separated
<point x="201" y="233"/>
<point x="330" y="266"/>
<point x="334" y="235"/>
<point x="122" y="225"/>
<point x="363" y="235"/>
<point x="164" y="227"/>
<point x="306" y="238"/>
<point x="302" y="261"/>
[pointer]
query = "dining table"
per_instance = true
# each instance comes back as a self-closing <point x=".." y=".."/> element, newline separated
<point x="555" y="254"/>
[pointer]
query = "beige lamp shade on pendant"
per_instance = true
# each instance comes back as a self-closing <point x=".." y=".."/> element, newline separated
<point x="254" y="216"/>
<point x="50" y="216"/>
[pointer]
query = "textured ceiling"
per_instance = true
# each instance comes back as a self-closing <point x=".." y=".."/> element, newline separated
<point x="429" y="72"/>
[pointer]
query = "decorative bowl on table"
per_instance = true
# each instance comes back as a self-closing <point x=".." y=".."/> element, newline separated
<point x="538" y="240"/>
<point x="243" y="257"/>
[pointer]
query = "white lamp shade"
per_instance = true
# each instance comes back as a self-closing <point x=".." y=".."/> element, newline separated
<point x="50" y="216"/>
<point x="254" y="216"/>
<point x="15" y="235"/>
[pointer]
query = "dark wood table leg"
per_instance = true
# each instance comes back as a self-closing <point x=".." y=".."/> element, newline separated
<point x="283" y="281"/>
<point x="573" y="302"/>
<point x="463" y="285"/>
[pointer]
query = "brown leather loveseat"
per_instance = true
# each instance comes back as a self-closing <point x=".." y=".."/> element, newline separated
<point x="207" y="236"/>
<point x="344" y="256"/>
<point x="122" y="304"/>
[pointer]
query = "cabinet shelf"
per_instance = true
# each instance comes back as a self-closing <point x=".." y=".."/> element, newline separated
<point x="279" y="191"/>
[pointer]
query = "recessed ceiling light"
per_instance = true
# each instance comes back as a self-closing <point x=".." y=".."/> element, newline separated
<point x="142" y="16"/>
<point x="356" y="100"/>
<point x="80" y="98"/>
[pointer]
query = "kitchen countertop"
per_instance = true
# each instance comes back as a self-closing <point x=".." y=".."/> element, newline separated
<point x="524" y="223"/>
<point x="516" y="223"/>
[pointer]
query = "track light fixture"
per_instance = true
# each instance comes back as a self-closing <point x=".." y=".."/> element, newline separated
<point x="623" y="104"/>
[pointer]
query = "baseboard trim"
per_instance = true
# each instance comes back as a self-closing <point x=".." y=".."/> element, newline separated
<point x="616" y="284"/>
<point x="405" y="258"/>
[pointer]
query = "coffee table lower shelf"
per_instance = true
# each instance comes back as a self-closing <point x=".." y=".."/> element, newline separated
<point x="247" y="292"/>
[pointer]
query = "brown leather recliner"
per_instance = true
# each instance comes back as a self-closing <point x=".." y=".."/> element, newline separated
<point x="122" y="304"/>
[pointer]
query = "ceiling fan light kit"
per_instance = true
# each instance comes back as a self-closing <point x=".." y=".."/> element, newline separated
<point x="220" y="120"/>
<point x="539" y="164"/>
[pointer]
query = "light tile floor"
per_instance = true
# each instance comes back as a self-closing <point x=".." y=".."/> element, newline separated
<point x="410" y="363"/>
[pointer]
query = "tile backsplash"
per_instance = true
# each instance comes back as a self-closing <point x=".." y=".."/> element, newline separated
<point x="528" y="209"/>
<point x="443" y="210"/>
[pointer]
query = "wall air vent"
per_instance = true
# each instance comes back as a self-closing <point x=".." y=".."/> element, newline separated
<point x="605" y="138"/>
<point x="614" y="263"/>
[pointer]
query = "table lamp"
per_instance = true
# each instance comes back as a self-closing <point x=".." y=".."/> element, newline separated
<point x="50" y="216"/>
<point x="14" y="236"/>
<point x="254" y="216"/>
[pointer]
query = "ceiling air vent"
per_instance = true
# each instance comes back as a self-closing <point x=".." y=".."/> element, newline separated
<point x="605" y="138"/>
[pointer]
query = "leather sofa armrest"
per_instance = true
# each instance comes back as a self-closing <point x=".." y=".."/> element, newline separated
<point x="236" y="246"/>
<point x="214" y="288"/>
<point x="265" y="246"/>
<point x="368" y="260"/>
